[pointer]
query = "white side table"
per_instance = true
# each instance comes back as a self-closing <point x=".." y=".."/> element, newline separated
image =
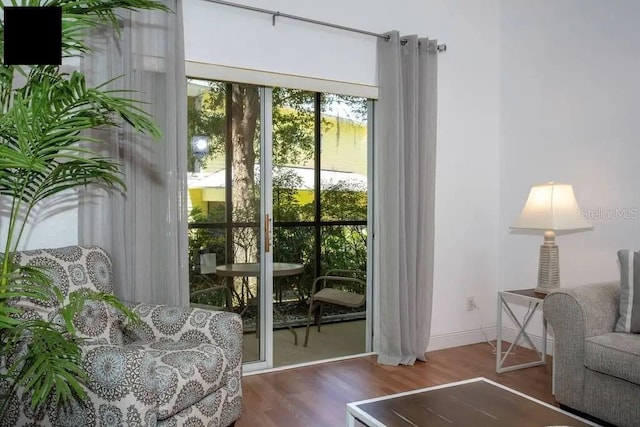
<point x="535" y="301"/>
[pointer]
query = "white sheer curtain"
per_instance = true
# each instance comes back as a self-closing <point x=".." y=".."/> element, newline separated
<point x="145" y="228"/>
<point x="404" y="193"/>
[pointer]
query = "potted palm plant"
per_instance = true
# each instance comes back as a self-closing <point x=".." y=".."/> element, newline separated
<point x="43" y="122"/>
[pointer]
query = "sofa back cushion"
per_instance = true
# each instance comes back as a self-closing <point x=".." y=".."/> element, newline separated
<point x="616" y="354"/>
<point x="629" y="311"/>
<point x="77" y="268"/>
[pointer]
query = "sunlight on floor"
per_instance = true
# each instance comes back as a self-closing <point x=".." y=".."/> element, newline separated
<point x="333" y="340"/>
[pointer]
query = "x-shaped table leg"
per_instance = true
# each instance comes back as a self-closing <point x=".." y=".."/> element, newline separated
<point x="522" y="334"/>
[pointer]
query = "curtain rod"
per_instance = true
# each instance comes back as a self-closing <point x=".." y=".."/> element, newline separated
<point x="275" y="14"/>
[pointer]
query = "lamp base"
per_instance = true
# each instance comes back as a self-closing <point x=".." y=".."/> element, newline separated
<point x="549" y="265"/>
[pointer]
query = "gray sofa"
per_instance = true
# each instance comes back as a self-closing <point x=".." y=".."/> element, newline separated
<point x="596" y="370"/>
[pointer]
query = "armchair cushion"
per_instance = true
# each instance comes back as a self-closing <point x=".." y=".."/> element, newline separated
<point x="614" y="354"/>
<point x="178" y="374"/>
<point x="163" y="322"/>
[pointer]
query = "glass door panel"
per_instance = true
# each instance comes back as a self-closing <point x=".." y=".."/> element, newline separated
<point x="343" y="217"/>
<point x="294" y="149"/>
<point x="320" y="211"/>
<point x="225" y="238"/>
<point x="206" y="150"/>
<point x="243" y="213"/>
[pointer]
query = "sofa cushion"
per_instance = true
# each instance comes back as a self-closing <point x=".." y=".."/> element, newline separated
<point x="178" y="374"/>
<point x="616" y="354"/>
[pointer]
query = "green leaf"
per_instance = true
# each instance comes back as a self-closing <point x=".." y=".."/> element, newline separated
<point x="44" y="150"/>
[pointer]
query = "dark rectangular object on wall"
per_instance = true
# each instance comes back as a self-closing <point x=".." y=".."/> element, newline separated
<point x="32" y="35"/>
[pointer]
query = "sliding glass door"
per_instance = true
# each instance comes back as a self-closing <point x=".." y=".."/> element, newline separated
<point x="278" y="197"/>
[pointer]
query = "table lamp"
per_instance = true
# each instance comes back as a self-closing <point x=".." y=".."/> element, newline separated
<point x="550" y="207"/>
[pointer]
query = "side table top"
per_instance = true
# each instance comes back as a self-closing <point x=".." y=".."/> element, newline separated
<point x="530" y="293"/>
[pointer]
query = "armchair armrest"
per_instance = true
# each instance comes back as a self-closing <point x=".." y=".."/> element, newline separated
<point x="115" y="379"/>
<point x="576" y="314"/>
<point x="164" y="322"/>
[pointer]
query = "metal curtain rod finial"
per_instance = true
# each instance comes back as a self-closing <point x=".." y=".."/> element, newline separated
<point x="439" y="48"/>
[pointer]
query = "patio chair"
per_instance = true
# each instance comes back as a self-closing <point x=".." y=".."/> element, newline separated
<point x="208" y="295"/>
<point x="323" y="291"/>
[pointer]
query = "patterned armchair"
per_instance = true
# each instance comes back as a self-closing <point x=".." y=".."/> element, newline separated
<point x="178" y="367"/>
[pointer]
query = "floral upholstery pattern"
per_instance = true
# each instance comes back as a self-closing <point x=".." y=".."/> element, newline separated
<point x="177" y="367"/>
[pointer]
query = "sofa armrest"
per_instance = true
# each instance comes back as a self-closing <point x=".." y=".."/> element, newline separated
<point x="164" y="322"/>
<point x="576" y="314"/>
<point x="596" y="307"/>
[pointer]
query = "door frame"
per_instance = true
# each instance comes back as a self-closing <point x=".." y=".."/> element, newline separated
<point x="265" y="285"/>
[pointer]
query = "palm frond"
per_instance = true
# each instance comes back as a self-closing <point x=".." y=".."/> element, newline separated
<point x="44" y="150"/>
<point x="86" y="14"/>
<point x="42" y="130"/>
<point x="52" y="362"/>
<point x="77" y="300"/>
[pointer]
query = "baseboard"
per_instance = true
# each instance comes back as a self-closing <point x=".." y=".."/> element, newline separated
<point x="457" y="339"/>
<point x="474" y="336"/>
<point x="509" y="335"/>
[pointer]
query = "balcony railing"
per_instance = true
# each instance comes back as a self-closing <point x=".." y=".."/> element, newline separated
<point x="319" y="246"/>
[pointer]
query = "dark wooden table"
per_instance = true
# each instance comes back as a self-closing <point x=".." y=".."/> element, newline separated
<point x="476" y="402"/>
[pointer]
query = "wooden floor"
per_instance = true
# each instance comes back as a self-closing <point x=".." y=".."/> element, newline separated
<point x="317" y="395"/>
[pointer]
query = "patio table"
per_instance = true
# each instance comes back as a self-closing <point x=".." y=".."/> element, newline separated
<point x="252" y="269"/>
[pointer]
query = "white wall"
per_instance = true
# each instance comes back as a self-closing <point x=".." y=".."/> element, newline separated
<point x="468" y="117"/>
<point x="53" y="224"/>
<point x="250" y="41"/>
<point x="569" y="113"/>
<point x="528" y="92"/>
<point x="468" y="111"/>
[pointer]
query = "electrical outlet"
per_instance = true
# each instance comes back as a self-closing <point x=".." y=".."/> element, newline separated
<point x="471" y="303"/>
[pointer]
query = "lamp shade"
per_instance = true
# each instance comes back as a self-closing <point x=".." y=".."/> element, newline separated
<point x="551" y="207"/>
